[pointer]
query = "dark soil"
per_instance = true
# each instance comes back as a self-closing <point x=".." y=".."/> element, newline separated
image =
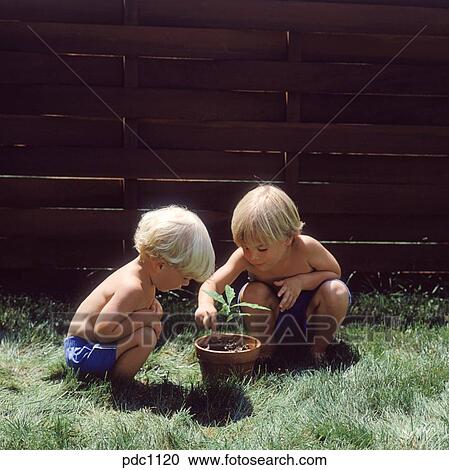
<point x="222" y="343"/>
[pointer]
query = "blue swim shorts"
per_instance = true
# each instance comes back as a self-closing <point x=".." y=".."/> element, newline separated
<point x="95" y="358"/>
<point x="291" y="324"/>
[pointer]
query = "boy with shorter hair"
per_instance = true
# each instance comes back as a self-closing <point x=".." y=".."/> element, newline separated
<point x="117" y="326"/>
<point x="290" y="273"/>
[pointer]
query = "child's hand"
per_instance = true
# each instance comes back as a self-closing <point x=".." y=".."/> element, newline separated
<point x="289" y="291"/>
<point x="206" y="317"/>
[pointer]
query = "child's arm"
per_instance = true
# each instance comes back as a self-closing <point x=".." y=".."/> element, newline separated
<point x="115" y="320"/>
<point x="206" y="312"/>
<point x="325" y="267"/>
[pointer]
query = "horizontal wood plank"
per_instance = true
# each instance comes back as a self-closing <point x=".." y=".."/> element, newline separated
<point x="69" y="285"/>
<point x="40" y="68"/>
<point x="391" y="257"/>
<point x="294" y="16"/>
<point x="60" y="130"/>
<point x="375" y="109"/>
<point x="22" y="253"/>
<point x="292" y="137"/>
<point x="142" y="103"/>
<point x="195" y="195"/>
<point x="87" y="224"/>
<point x="360" y="227"/>
<point x="144" y="41"/>
<point x="232" y="165"/>
<point x="59" y="192"/>
<point x="139" y="163"/>
<point x="292" y="76"/>
<point x="405" y="3"/>
<point x="375" y="257"/>
<point x="107" y="224"/>
<point x="34" y="68"/>
<point x="340" y="198"/>
<point x="374" y="48"/>
<point x="75" y="11"/>
<point x="373" y="199"/>
<point x="409" y="169"/>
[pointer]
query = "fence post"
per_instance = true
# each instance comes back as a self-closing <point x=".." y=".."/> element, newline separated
<point x="130" y="80"/>
<point x="293" y="115"/>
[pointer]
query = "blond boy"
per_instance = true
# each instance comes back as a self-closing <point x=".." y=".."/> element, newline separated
<point x="117" y="326"/>
<point x="291" y="273"/>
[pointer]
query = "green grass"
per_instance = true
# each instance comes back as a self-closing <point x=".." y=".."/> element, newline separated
<point x="395" y="397"/>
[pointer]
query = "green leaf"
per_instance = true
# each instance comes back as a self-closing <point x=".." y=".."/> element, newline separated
<point x="247" y="304"/>
<point x="231" y="316"/>
<point x="230" y="294"/>
<point x="217" y="297"/>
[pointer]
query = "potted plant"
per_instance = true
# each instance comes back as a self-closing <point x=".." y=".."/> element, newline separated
<point x="228" y="354"/>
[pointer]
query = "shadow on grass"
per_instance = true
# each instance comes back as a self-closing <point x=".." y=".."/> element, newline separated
<point x="339" y="356"/>
<point x="208" y="404"/>
<point x="215" y="404"/>
<point x="218" y="404"/>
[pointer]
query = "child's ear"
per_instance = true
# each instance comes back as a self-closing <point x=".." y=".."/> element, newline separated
<point x="158" y="263"/>
<point x="289" y="241"/>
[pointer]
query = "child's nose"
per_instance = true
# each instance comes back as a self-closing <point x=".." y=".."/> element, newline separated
<point x="253" y="257"/>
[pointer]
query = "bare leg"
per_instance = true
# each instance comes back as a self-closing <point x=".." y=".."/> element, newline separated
<point x="325" y="313"/>
<point x="132" y="352"/>
<point x="260" y="323"/>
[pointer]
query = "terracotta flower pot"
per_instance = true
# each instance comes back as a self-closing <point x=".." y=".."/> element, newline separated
<point x="221" y="364"/>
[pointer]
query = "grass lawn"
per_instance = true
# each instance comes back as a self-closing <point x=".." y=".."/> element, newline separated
<point x="395" y="397"/>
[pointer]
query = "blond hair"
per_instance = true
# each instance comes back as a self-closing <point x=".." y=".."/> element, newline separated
<point x="179" y="237"/>
<point x="264" y="215"/>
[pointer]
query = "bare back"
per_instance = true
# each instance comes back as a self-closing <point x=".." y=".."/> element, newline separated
<point x="83" y="322"/>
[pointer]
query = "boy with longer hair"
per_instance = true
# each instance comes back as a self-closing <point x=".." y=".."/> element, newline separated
<point x="117" y="326"/>
<point x="292" y="274"/>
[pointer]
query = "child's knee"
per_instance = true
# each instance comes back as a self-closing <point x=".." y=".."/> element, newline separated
<point x="147" y="338"/>
<point x="334" y="295"/>
<point x="258" y="293"/>
<point x="157" y="328"/>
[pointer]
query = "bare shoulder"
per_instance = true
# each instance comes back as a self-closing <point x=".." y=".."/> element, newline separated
<point x="130" y="287"/>
<point x="308" y="243"/>
<point x="130" y="284"/>
<point x="238" y="259"/>
<point x="129" y="296"/>
<point x="308" y="248"/>
<point x="121" y="281"/>
<point x="318" y="256"/>
<point x="230" y="270"/>
<point x="236" y="262"/>
<point x="127" y="287"/>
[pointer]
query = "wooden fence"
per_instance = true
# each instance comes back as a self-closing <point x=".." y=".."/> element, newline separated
<point x="225" y="93"/>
